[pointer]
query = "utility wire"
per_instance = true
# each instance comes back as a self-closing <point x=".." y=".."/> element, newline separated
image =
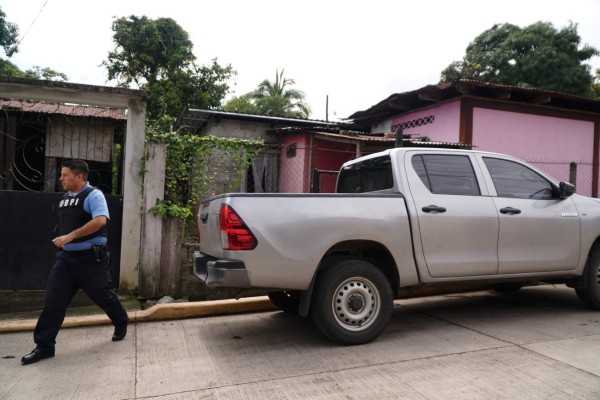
<point x="36" y="18"/>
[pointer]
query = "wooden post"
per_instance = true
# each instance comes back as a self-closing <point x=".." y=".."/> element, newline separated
<point x="573" y="173"/>
<point x="152" y="226"/>
<point x="170" y="263"/>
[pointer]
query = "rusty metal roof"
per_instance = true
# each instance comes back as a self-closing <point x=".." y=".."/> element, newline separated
<point x="63" y="109"/>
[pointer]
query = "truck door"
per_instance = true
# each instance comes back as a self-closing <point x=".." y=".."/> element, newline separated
<point x="538" y="231"/>
<point x="458" y="226"/>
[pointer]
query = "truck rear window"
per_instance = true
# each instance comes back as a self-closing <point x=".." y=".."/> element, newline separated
<point x="367" y="176"/>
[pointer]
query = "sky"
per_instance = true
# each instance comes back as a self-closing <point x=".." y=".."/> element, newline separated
<point x="356" y="53"/>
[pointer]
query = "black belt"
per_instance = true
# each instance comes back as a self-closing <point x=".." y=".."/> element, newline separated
<point x="79" y="253"/>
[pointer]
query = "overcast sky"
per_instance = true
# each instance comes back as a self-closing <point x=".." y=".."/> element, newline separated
<point x="357" y="52"/>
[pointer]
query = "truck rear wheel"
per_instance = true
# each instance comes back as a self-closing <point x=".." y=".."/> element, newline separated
<point x="352" y="302"/>
<point x="287" y="301"/>
<point x="590" y="294"/>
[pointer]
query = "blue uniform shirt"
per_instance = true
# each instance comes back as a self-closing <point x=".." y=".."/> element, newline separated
<point x="95" y="204"/>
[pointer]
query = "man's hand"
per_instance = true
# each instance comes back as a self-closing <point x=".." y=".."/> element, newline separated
<point x="89" y="228"/>
<point x="61" y="241"/>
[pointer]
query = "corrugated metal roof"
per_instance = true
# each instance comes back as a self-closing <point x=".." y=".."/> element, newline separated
<point x="399" y="103"/>
<point x="194" y="119"/>
<point x="407" y="142"/>
<point x="63" y="109"/>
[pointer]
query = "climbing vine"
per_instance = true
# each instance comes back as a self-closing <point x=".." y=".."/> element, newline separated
<point x="192" y="163"/>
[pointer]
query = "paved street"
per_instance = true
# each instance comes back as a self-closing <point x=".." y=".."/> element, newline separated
<point x="537" y="344"/>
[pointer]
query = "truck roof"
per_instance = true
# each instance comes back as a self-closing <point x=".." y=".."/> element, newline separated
<point x="395" y="151"/>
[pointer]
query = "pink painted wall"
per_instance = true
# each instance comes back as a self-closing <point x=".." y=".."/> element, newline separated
<point x="549" y="143"/>
<point x="445" y="127"/>
<point x="293" y="176"/>
<point x="330" y="156"/>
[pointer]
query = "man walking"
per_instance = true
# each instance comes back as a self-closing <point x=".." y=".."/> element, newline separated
<point x="82" y="262"/>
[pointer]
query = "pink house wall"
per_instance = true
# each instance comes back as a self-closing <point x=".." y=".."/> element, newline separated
<point x="445" y="127"/>
<point x="293" y="176"/>
<point x="549" y="143"/>
<point x="330" y="156"/>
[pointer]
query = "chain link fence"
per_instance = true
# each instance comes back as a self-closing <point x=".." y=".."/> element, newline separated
<point x="579" y="174"/>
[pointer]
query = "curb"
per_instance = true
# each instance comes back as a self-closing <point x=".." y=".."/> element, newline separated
<point x="158" y="312"/>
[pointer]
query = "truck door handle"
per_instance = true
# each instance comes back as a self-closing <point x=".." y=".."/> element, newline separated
<point x="432" y="208"/>
<point x="510" y="211"/>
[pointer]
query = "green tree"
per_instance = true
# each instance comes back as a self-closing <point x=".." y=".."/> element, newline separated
<point x="595" y="87"/>
<point x="271" y="98"/>
<point x="278" y="99"/>
<point x="156" y="56"/>
<point x="538" y="56"/>
<point x="9" y="34"/>
<point x="46" y="73"/>
<point x="242" y="104"/>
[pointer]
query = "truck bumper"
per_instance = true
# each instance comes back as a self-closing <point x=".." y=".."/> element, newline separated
<point x="220" y="273"/>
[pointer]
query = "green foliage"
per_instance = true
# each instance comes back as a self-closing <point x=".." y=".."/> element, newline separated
<point x="46" y="73"/>
<point x="9" y="34"/>
<point x="115" y="169"/>
<point x="169" y="210"/>
<point x="9" y="69"/>
<point x="188" y="162"/>
<point x="241" y="104"/>
<point x="272" y="98"/>
<point x="537" y="55"/>
<point x="156" y="56"/>
<point x="595" y="87"/>
<point x="147" y="50"/>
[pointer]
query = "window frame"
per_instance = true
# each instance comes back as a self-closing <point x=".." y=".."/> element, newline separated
<point x="552" y="182"/>
<point x="481" y="190"/>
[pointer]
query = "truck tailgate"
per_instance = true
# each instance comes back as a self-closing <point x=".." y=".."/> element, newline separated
<point x="208" y="227"/>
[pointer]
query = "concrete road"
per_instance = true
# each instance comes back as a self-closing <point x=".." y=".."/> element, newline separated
<point x="537" y="344"/>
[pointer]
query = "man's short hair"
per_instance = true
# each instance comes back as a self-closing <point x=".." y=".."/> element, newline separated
<point x="77" y="166"/>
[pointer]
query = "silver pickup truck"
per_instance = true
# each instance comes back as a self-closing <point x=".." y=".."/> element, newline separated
<point x="407" y="219"/>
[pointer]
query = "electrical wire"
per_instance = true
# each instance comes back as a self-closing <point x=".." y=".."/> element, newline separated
<point x="35" y="19"/>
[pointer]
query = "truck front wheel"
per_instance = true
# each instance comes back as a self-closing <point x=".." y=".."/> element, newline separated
<point x="352" y="302"/>
<point x="590" y="294"/>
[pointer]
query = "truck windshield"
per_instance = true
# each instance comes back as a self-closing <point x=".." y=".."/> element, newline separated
<point x="367" y="176"/>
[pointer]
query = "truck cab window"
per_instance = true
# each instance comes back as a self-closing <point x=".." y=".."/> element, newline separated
<point x="446" y="174"/>
<point x="512" y="179"/>
<point x="368" y="176"/>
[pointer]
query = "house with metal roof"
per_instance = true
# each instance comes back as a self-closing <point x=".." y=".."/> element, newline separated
<point x="35" y="137"/>
<point x="302" y="156"/>
<point x="559" y="133"/>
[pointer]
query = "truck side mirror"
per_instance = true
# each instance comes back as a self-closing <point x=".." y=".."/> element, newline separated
<point x="566" y="189"/>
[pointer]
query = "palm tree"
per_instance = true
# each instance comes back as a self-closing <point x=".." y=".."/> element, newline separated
<point x="276" y="98"/>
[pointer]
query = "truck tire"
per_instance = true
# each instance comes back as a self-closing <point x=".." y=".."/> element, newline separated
<point x="352" y="302"/>
<point x="590" y="294"/>
<point x="287" y="301"/>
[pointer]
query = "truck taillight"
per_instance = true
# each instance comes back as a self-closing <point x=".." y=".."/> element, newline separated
<point x="235" y="235"/>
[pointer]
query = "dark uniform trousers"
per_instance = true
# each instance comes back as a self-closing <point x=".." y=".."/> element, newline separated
<point x="70" y="273"/>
